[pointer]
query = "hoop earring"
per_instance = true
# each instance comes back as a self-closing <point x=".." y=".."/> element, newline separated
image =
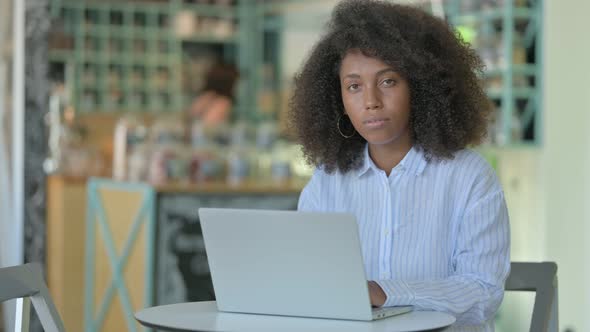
<point x="340" y="131"/>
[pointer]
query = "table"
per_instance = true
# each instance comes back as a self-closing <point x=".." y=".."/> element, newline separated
<point x="204" y="316"/>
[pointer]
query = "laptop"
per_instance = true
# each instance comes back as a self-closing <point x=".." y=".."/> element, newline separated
<point x="288" y="263"/>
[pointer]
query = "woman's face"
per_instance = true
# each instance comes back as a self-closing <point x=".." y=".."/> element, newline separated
<point x="376" y="98"/>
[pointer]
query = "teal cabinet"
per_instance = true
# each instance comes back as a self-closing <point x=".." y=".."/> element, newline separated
<point x="508" y="37"/>
<point x="132" y="56"/>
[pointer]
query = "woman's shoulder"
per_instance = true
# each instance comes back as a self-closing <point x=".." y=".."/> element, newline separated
<point x="465" y="166"/>
<point x="473" y="168"/>
<point x="470" y="160"/>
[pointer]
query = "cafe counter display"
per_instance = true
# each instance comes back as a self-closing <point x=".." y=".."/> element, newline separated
<point x="116" y="247"/>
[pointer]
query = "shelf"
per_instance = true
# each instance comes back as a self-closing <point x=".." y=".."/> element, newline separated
<point x="139" y="38"/>
<point x="527" y="70"/>
<point x="104" y="58"/>
<point x="492" y="14"/>
<point x="288" y="6"/>
<point x="137" y="32"/>
<point x="145" y="6"/>
<point x="249" y="186"/>
<point x="211" y="10"/>
<point x="517" y="93"/>
<point x="209" y="39"/>
<point x="130" y="89"/>
<point x="520" y="146"/>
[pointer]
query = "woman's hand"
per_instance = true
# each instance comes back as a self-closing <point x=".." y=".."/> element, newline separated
<point x="376" y="294"/>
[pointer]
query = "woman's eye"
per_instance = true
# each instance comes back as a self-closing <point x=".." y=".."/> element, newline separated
<point x="388" y="82"/>
<point x="353" y="87"/>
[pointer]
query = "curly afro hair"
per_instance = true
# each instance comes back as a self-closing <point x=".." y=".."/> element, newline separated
<point x="449" y="109"/>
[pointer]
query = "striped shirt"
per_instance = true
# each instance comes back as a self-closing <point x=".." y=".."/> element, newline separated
<point x="434" y="235"/>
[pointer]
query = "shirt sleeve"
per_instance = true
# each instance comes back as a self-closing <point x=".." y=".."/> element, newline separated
<point x="481" y="263"/>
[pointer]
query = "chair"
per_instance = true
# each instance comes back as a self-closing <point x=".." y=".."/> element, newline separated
<point x="24" y="283"/>
<point x="542" y="279"/>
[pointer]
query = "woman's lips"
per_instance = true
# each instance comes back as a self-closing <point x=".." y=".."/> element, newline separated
<point x="375" y="123"/>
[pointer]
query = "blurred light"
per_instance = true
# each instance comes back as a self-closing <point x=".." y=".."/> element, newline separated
<point x="467" y="33"/>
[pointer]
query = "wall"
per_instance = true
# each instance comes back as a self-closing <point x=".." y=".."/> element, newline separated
<point x="548" y="188"/>
<point x="520" y="173"/>
<point x="565" y="156"/>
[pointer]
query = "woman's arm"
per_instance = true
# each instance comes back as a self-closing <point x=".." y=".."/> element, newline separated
<point x="376" y="294"/>
<point x="481" y="262"/>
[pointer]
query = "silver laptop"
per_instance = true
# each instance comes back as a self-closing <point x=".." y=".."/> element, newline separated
<point x="288" y="263"/>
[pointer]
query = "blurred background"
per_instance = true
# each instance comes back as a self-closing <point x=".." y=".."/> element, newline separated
<point x="186" y="100"/>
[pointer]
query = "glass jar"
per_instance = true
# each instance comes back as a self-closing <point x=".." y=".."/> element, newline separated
<point x="139" y="162"/>
<point x="239" y="165"/>
<point x="205" y="164"/>
<point x="130" y="131"/>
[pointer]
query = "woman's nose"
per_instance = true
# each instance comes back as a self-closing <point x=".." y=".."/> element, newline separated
<point x="372" y="100"/>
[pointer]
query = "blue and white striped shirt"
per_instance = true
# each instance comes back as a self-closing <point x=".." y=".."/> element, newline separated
<point x="434" y="235"/>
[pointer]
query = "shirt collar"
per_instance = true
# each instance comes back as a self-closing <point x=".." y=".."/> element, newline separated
<point x="413" y="162"/>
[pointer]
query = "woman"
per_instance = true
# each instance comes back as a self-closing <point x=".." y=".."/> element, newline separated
<point x="385" y="107"/>
<point x="213" y="106"/>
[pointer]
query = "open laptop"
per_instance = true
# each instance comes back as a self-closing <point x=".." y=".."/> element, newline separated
<point x="288" y="263"/>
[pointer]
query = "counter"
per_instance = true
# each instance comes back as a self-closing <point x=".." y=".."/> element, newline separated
<point x="148" y="235"/>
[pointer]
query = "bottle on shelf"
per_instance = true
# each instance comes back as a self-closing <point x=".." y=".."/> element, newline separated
<point x="281" y="169"/>
<point x="130" y="131"/>
<point x="266" y="136"/>
<point x="205" y="162"/>
<point x="240" y="152"/>
<point x="170" y="157"/>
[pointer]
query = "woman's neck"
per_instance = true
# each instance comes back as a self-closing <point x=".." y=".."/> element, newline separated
<point x="387" y="156"/>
